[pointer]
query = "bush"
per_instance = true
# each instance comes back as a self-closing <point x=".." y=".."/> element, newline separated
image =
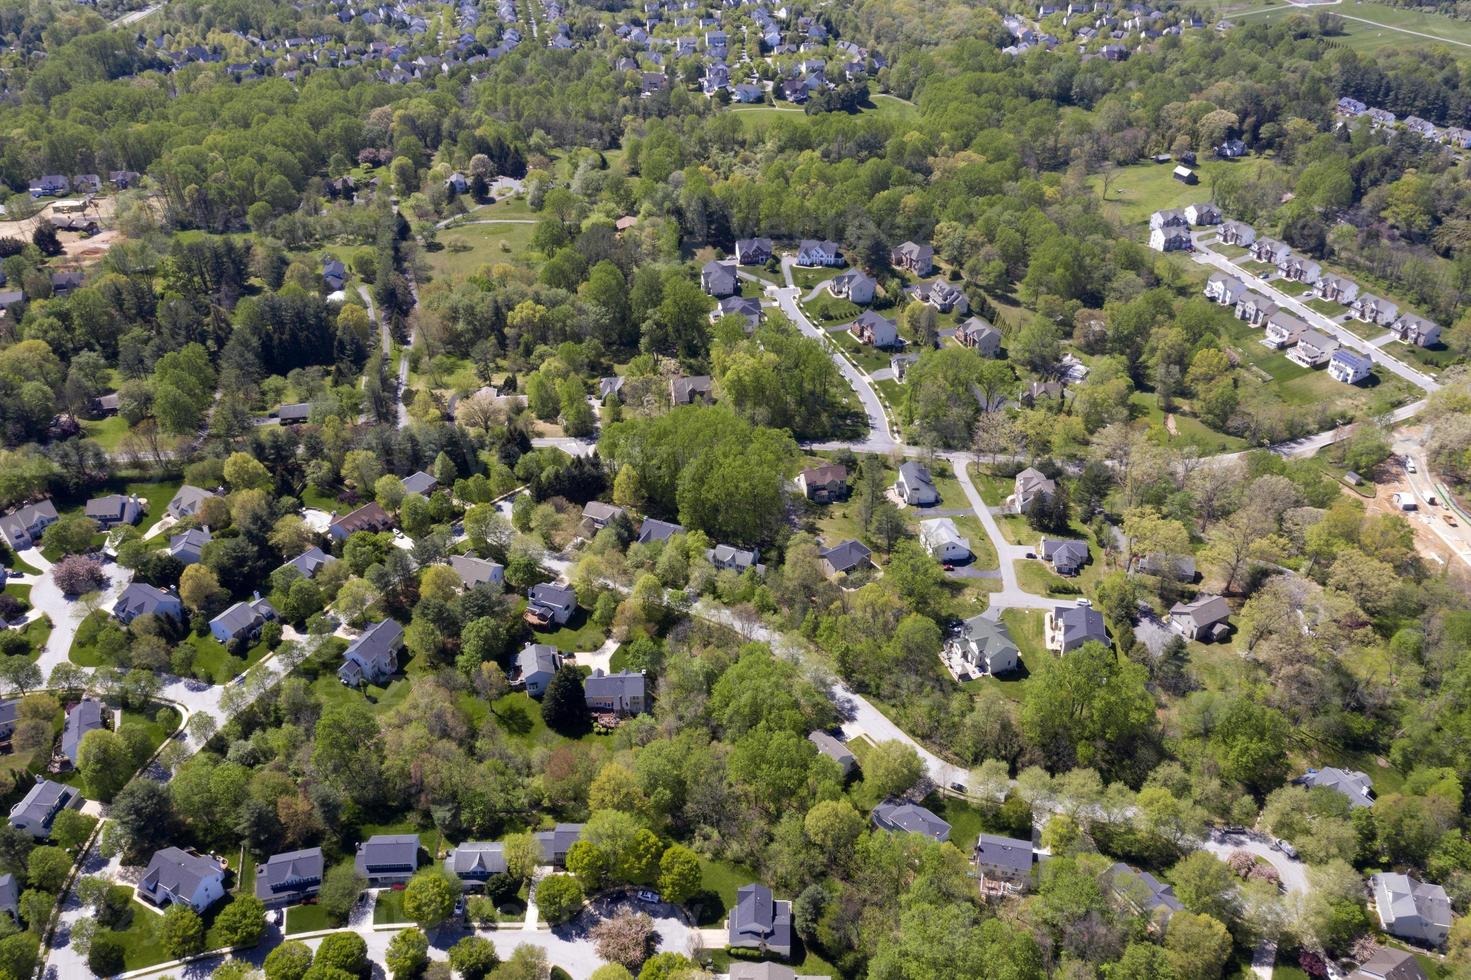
<point x="288" y="961"/>
<point x="346" y="951"/>
<point x="242" y="922"/>
<point x="558" y="898"/>
<point x="105" y="958"/>
<point x="408" y="954"/>
<point x="473" y="957"/>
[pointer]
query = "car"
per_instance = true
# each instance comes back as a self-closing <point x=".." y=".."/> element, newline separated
<point x="1286" y="848"/>
<point x="645" y="895"/>
<point x="460" y="907"/>
<point x="959" y="787"/>
<point x="1410" y="465"/>
<point x="1450" y="520"/>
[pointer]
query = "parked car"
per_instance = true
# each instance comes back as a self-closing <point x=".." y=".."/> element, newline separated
<point x="645" y="895"/>
<point x="958" y="787"/>
<point x="1286" y="848"/>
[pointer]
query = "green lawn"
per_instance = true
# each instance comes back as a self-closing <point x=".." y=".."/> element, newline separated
<point x="308" y="918"/>
<point x="1389" y="27"/>
<point x="1190" y="430"/>
<point x="465" y="249"/>
<point x="806" y="278"/>
<point x="1025" y="627"/>
<point x="1036" y="577"/>
<point x="868" y="358"/>
<point x="1137" y="191"/>
<point x="1292" y="287"/>
<point x="142" y="944"/>
<point x="212" y="661"/>
<point x="1297" y="385"/>
<point x="579" y="635"/>
<point x="106" y="432"/>
<point x="1326" y="307"/>
<point x="37" y="633"/>
<point x="720" y="879"/>
<point x="830" y="311"/>
<point x="389" y="907"/>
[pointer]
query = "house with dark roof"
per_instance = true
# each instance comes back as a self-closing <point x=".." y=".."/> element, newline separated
<point x="369" y="517"/>
<point x="294" y="413"/>
<point x="1350" y="367"/>
<point x="23" y="526"/>
<point x="85" y="716"/>
<point x="477" y="571"/>
<point x="913" y="257"/>
<point x="549" y="604"/>
<point x="940" y="294"/>
<point x="980" y="336"/>
<point x="186" y="500"/>
<point x="1411" y="909"/>
<point x="747" y="308"/>
<point x="1005" y="861"/>
<point x="901" y="816"/>
<point x="475" y="862"/>
<point x="691" y="390"/>
<point x="554" y="844"/>
<point x="310" y="562"/>
<point x="1065" y="628"/>
<point x="419" y="482"/>
<point x="188" y="547"/>
<point x="835" y="750"/>
<point x="536" y="665"/>
<point x="334" y="274"/>
<point x="753" y="251"/>
<point x="10" y="896"/>
<point x="1202" y="618"/>
<point x="1351" y="784"/>
<point x="824" y="484"/>
<point x="1066" y="556"/>
<point x="915" y="486"/>
<point x="1142" y="892"/>
<point x="729" y="558"/>
<point x="875" y="330"/>
<point x="140" y="598"/>
<point x="1181" y="568"/>
<point x="242" y="621"/>
<point x="289" y="878"/>
<point x="985" y="646"/>
<point x="115" y="509"/>
<point x="387" y="859"/>
<point x="812" y="253"/>
<point x="844" y="558"/>
<point x="35" y="813"/>
<point x="760" y="922"/>
<point x="621" y="694"/>
<point x="178" y="877"/>
<point x="653" y="529"/>
<point x="1388" y="963"/>
<point x="373" y="656"/>
<point x="9" y="715"/>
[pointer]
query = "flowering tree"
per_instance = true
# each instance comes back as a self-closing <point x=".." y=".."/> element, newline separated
<point x="76" y="575"/>
<point x="627" y="939"/>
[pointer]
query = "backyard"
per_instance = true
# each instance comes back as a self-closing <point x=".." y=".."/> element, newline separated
<point x="464" y="249"/>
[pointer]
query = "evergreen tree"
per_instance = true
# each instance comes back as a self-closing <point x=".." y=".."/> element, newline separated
<point x="564" y="705"/>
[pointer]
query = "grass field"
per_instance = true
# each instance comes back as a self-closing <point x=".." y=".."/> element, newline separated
<point x="106" y="432"/>
<point x="307" y="918"/>
<point x="1372" y="26"/>
<point x="883" y="107"/>
<point x="465" y="249"/>
<point x="1137" y="191"/>
<point x="1035" y="576"/>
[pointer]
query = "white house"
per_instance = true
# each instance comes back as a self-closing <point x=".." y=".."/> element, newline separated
<point x="1203" y="214"/>
<point x="178" y="877"/>
<point x="1223" y="289"/>
<point x="915" y="485"/>
<point x="1411" y="909"/>
<point x="1283" y="330"/>
<point x="1313" y="349"/>
<point x="1170" y="239"/>
<point x="811" y="252"/>
<point x="942" y="540"/>
<point x="1030" y="486"/>
<point x="985" y="646"/>
<point x="1350" y="367"/>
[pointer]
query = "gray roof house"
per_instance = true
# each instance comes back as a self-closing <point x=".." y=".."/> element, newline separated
<point x="22" y="527"/>
<point x="557" y="842"/>
<point x="373" y="656"/>
<point x="905" y="817"/>
<point x="476" y="571"/>
<point x="1202" y="618"/>
<point x="139" y="598"/>
<point x="547" y="604"/>
<point x="1389" y="964"/>
<point x="1066" y="555"/>
<point x="912" y="257"/>
<point x="875" y="330"/>
<point x="310" y="561"/>
<point x="856" y="287"/>
<point x="759" y="921"/>
<point x="753" y="251"/>
<point x="35" y="813"/>
<point x="1143" y="892"/>
<point x="474" y="862"/>
<point x="420" y="482"/>
<point x="656" y="530"/>
<point x="242" y="621"/>
<point x="1179" y="567"/>
<point x="1068" y="627"/>
<point x="834" y="750"/>
<point x="980" y="336"/>
<point x="1355" y="786"/>
<point x="9" y="715"/>
<point x="185" y="503"/>
<point x="9" y="895"/>
<point x="188" y="547"/>
<point x="1030" y="487"/>
<point x="536" y="664"/>
<point x="623" y="693"/>
<point x="85" y="716"/>
<point x="691" y="390"/>
<point x="178" y="877"/>
<point x="719" y="278"/>
<point x="727" y="557"/>
<point x="1411" y="909"/>
<point x="115" y="509"/>
<point x="289" y="877"/>
<point x="915" y="486"/>
<point x="943" y="540"/>
<point x="1004" y="858"/>
<point x="985" y="646"/>
<point x="845" y="557"/>
<point x="599" y="514"/>
<point x="387" y="859"/>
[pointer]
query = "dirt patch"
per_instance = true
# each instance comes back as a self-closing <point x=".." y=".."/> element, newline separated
<point x="1428" y="543"/>
<point x="1170" y="426"/>
<point x="88" y="250"/>
<point x="101" y="208"/>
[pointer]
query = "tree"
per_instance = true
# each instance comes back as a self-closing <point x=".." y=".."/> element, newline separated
<point x="1199" y="946"/>
<point x="181" y="932"/>
<point x="106" y="957"/>
<point x="242" y="922"/>
<point x="833" y="825"/>
<point x="559" y="897"/>
<point x="564" y="705"/>
<point x="47" y="868"/>
<point x="244" y="472"/>
<point x="72" y="828"/>
<point x="473" y="957"/>
<point x="143" y="812"/>
<point x="892" y="768"/>
<point x="199" y="589"/>
<point x="71" y="535"/>
<point x="346" y="951"/>
<point x="104" y="762"/>
<point x="429" y="898"/>
<point x="288" y="961"/>
<point x="680" y="877"/>
<point x="75" y="575"/>
<point x="408" y="954"/>
<point x="1090" y="709"/>
<point x="341" y="887"/>
<point x="522" y="855"/>
<point x="626" y="939"/>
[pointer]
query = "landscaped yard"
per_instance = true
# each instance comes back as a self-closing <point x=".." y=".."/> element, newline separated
<point x="142" y="943"/>
<point x="1035" y="576"/>
<point x="868" y="358"/>
<point x="830" y="311"/>
<point x="106" y="432"/>
<point x="307" y="918"/>
<point x="1025" y="627"/>
<point x="719" y="882"/>
<point x="580" y="634"/>
<point x="389" y="907"/>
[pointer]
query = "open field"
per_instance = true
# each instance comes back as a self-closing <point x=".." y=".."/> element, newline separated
<point x="883" y="107"/>
<point x="1373" y="26"/>
<point x="465" y="249"/>
<point x="1137" y="191"/>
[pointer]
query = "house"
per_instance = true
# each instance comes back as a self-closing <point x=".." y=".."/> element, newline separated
<point x="980" y="336"/>
<point x="1169" y="218"/>
<point x="1202" y="618"/>
<point x="1351" y="107"/>
<point x="651" y="83"/>
<point x="913" y="257"/>
<point x="1066" y="628"/>
<point x="1390" y="964"/>
<point x="941" y="539"/>
<point x="139" y="598"/>
<point x="373" y="656"/>
<point x="760" y="922"/>
<point x="178" y="877"/>
<point x="728" y="558"/>
<point x="844" y="558"/>
<point x="1414" y="329"/>
<point x="475" y="862"/>
<point x="536" y="665"/>
<point x="1336" y="289"/>
<point x="555" y="844"/>
<point x="1255" y="308"/>
<point x="188" y="547"/>
<point x="186" y="501"/>
<point x="123" y="179"/>
<point x="1411" y="909"/>
<point x="1298" y="269"/>
<point x="985" y="645"/>
<point x="387" y="859"/>
<point x="66" y="281"/>
<point x="548" y="603"/>
<point x="915" y="486"/>
<point x="310" y="562"/>
<point x="369" y="517"/>
<point x="87" y="715"/>
<point x="49" y="185"/>
<point x="742" y="306"/>
<point x="855" y="287"/>
<point x="811" y="252"/>
<point x="35" y="813"/>
<point x="289" y="878"/>
<point x="1350" y="367"/>
<point x="1423" y="128"/>
<point x="1283" y="330"/>
<point x="1202" y="214"/>
<point x="22" y="526"/>
<point x="941" y="295"/>
<point x="10" y="896"/>
<point x="295" y="413"/>
<point x="1004" y="860"/>
<point x="656" y="530"/>
<point x="901" y="363"/>
<point x="1237" y="233"/>
<point x="1231" y="149"/>
<point x="875" y="330"/>
<point x="599" y="515"/>
<point x="242" y="621"/>
<point x="719" y="278"/>
<point x="824" y="484"/>
<point x="107" y="404"/>
<point x="1030" y="487"/>
<point x="1269" y="250"/>
<point x="1371" y="309"/>
<point x="419" y="482"/>
<point x="9" y="715"/>
<point x="1181" y="568"/>
<point x="457" y="183"/>
<point x="1066" y="555"/>
<point x="1351" y="784"/>
<point x="1313" y="349"/>
<point x="1185" y="175"/>
<point x="476" y="571"/>
<point x="115" y="509"/>
<point x="747" y="93"/>
<point x="1142" y="892"/>
<point x="901" y="816"/>
<point x="334" y="274"/>
<point x="621" y="694"/>
<point x="835" y="750"/>
<point x="1224" y="289"/>
<point x="688" y="391"/>
<point x="1171" y="239"/>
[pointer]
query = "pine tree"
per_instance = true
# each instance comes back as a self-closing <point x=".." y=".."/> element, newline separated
<point x="564" y="705"/>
